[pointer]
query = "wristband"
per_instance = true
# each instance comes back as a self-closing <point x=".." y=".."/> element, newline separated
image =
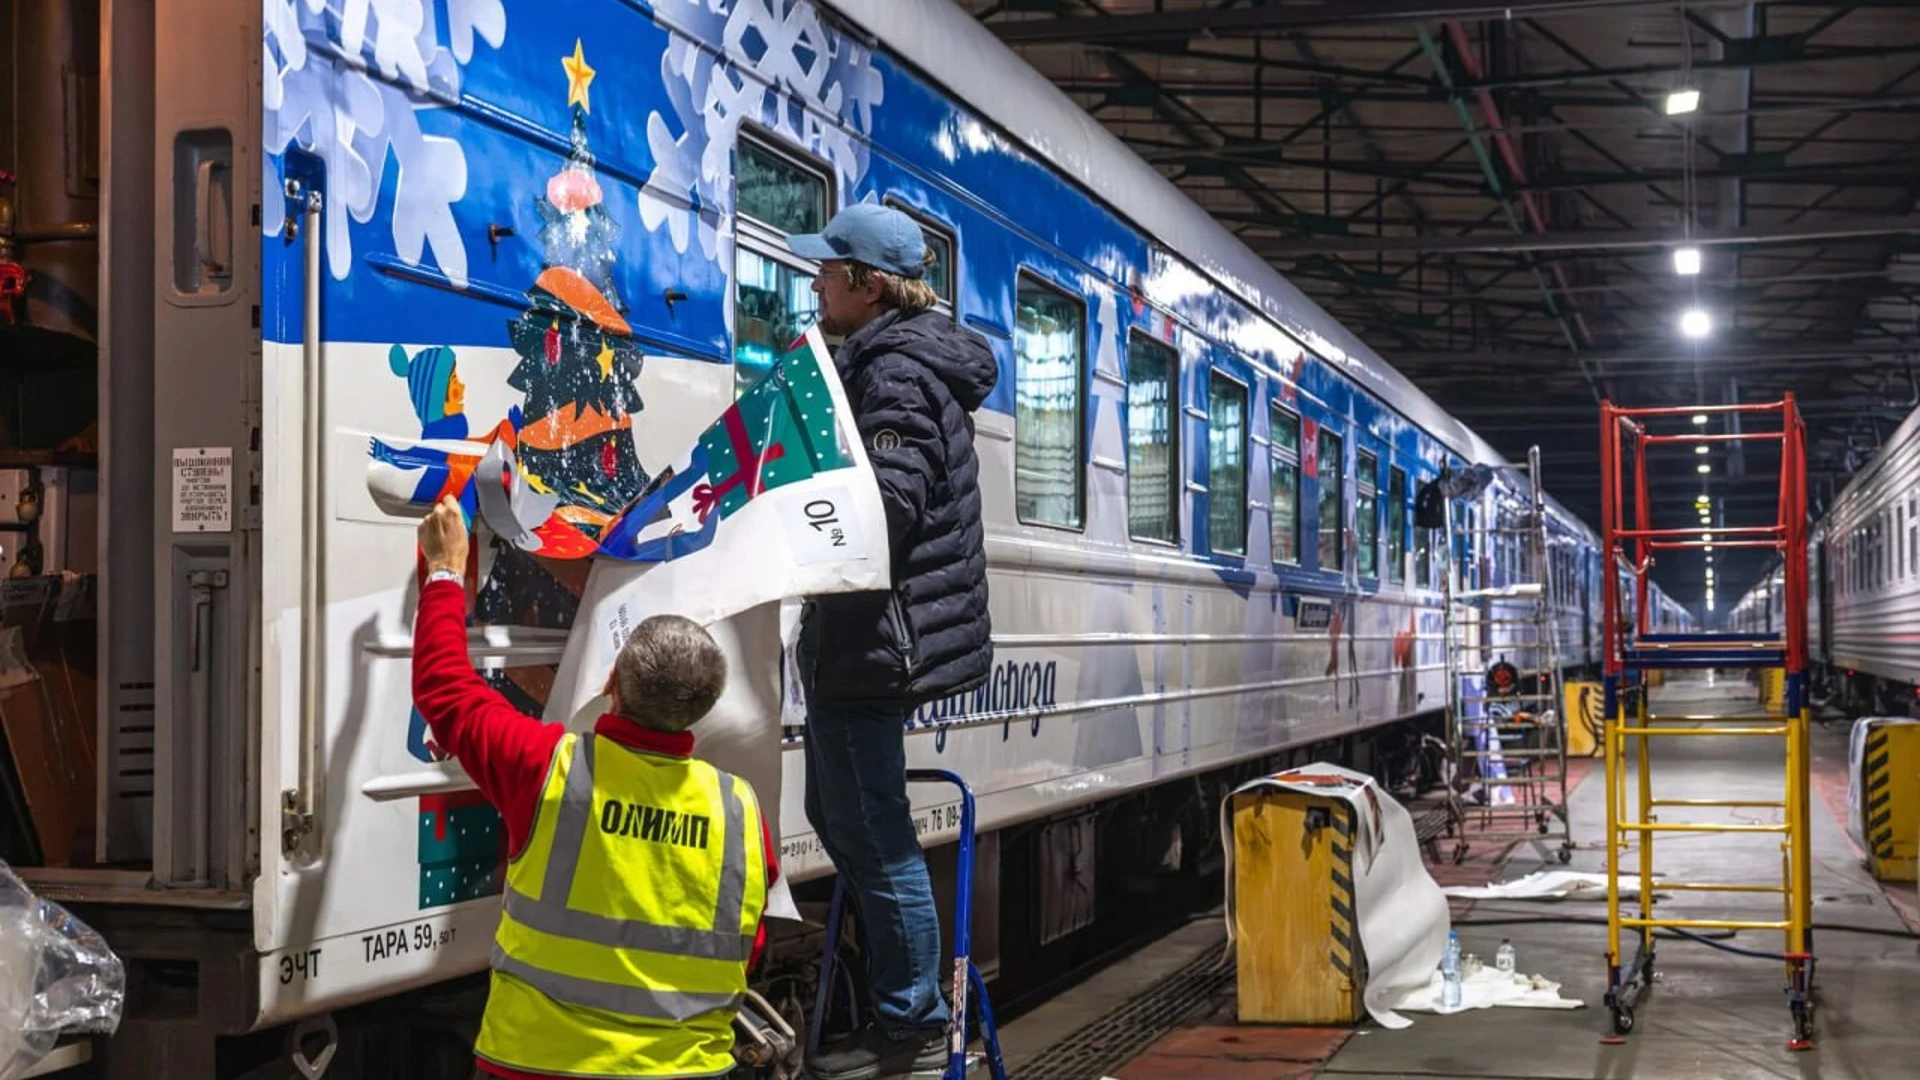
<point x="443" y="574"/>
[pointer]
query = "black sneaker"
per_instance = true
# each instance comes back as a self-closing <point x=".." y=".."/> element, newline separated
<point x="870" y="1054"/>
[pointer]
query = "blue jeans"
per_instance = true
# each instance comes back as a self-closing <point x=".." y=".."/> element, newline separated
<point x="857" y="804"/>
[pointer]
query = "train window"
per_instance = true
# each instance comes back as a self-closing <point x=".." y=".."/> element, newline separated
<point x="1284" y="518"/>
<point x="1468" y="515"/>
<point x="1913" y="529"/>
<point x="1366" y="513"/>
<point x="1423" y="557"/>
<point x="1333" y="521"/>
<point x="1049" y="402"/>
<point x="940" y="245"/>
<point x="773" y="290"/>
<point x="1153" y="476"/>
<point x="1226" y="465"/>
<point x="1396" y="523"/>
<point x="1886" y="547"/>
<point x="1882" y="551"/>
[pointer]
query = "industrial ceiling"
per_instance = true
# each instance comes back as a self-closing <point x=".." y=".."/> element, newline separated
<point x="1491" y="195"/>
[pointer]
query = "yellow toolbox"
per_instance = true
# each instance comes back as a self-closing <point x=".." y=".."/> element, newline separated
<point x="1886" y="793"/>
<point x="1298" y="941"/>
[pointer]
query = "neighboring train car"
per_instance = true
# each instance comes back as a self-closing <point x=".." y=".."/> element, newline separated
<point x="1863" y="595"/>
<point x="1198" y="486"/>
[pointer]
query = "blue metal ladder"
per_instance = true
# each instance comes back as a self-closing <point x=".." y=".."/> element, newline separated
<point x="965" y="974"/>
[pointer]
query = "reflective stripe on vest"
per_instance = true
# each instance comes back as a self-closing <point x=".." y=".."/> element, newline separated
<point x="553" y="916"/>
<point x="619" y="998"/>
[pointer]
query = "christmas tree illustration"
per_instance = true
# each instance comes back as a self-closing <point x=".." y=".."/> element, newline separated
<point x="578" y="365"/>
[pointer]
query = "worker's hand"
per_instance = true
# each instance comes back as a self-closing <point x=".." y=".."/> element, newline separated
<point x="443" y="537"/>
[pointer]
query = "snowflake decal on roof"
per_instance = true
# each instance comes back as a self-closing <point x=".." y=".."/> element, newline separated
<point x="784" y="69"/>
<point x="345" y="80"/>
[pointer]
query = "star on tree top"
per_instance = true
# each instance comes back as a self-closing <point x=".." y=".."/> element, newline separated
<point x="579" y="75"/>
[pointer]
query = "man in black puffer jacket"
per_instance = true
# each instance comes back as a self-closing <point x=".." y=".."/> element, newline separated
<point x="913" y="377"/>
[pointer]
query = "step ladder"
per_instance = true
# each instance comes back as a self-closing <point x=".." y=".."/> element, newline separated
<point x="1506" y="733"/>
<point x="969" y="1016"/>
<point x="1633" y="650"/>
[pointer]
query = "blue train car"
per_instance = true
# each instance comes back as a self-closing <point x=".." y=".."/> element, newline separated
<point x="412" y="225"/>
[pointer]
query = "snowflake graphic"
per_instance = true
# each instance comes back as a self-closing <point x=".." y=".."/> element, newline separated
<point x="783" y="68"/>
<point x="345" y="80"/>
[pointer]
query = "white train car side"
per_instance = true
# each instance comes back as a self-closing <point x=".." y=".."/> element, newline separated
<point x="336" y="227"/>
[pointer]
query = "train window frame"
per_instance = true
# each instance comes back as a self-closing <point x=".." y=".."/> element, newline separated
<point x="1321" y="433"/>
<point x="1022" y="277"/>
<point x="1913" y="531"/>
<point x="1366" y="512"/>
<point x="765" y="240"/>
<point x="947" y="303"/>
<point x="1423" y="548"/>
<point x="1217" y="377"/>
<point x="1175" y="445"/>
<point x="1279" y="458"/>
<point x="1397" y="496"/>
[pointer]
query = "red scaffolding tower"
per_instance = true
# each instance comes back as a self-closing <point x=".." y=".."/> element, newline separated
<point x="1633" y="649"/>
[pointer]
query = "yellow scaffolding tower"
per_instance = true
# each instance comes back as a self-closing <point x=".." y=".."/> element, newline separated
<point x="1634" y="650"/>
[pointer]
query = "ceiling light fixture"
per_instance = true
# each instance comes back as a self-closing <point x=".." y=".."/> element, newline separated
<point x="1695" y="323"/>
<point x="1700" y="420"/>
<point x="1686" y="261"/>
<point x="1683" y="101"/>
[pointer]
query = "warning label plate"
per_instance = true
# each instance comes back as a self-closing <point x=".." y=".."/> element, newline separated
<point x="203" y="489"/>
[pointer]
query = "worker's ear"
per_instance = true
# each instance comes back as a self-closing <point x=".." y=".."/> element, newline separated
<point x="612" y="692"/>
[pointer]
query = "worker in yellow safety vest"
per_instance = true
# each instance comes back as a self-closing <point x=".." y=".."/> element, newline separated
<point x="633" y="887"/>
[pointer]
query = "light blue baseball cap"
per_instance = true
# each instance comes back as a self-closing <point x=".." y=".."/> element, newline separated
<point x="870" y="233"/>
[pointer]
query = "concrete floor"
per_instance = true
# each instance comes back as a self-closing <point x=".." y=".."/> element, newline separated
<point x="1710" y="1015"/>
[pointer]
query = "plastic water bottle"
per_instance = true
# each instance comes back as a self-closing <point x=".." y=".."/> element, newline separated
<point x="1450" y="959"/>
<point x="1503" y="960"/>
<point x="1450" y="988"/>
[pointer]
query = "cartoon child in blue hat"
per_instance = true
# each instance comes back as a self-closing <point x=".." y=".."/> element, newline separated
<point x="439" y="397"/>
<point x="440" y="402"/>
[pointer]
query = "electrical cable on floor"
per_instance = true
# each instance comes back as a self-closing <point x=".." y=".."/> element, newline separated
<point x="1578" y="919"/>
<point x="1595" y="920"/>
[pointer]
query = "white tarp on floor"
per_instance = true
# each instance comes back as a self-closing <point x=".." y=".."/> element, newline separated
<point x="1487" y="988"/>
<point x="1549" y="885"/>
<point x="1402" y="914"/>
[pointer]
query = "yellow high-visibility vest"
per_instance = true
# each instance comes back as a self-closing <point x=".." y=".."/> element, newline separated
<point x="630" y="917"/>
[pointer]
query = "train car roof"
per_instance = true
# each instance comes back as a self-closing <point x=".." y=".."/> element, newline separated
<point x="1865" y="473"/>
<point x="950" y="46"/>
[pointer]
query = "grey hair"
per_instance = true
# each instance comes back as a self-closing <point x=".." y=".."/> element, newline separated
<point x="668" y="674"/>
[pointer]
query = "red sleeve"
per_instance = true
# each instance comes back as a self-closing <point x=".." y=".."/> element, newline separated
<point x="503" y="749"/>
<point x="772" y="853"/>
